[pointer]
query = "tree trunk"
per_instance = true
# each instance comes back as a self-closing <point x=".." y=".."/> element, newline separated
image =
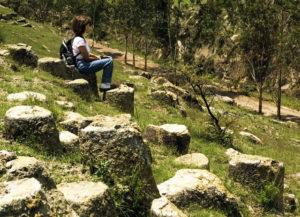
<point x="279" y="96"/>
<point x="94" y="2"/>
<point x="126" y="47"/>
<point x="133" y="50"/>
<point x="260" y="91"/>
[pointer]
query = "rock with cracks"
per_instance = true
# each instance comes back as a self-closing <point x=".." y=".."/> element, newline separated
<point x="196" y="159"/>
<point x="27" y="95"/>
<point x="162" y="207"/>
<point x="118" y="142"/>
<point x="22" y="198"/>
<point x="256" y="172"/>
<point x="23" y="54"/>
<point x="122" y="97"/>
<point x="190" y="186"/>
<point x="170" y="135"/>
<point x="89" y="199"/>
<point x="81" y="87"/>
<point x="32" y="123"/>
<point x="29" y="167"/>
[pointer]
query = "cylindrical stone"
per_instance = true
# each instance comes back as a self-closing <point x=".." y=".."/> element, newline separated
<point x="81" y="87"/>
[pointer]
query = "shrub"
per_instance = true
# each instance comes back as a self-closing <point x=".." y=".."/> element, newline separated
<point x="268" y="196"/>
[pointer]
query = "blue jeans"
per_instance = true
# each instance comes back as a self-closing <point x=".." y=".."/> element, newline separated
<point x="92" y="67"/>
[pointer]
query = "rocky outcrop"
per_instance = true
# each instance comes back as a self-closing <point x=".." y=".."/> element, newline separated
<point x="81" y="87"/>
<point x="162" y="207"/>
<point x="256" y="172"/>
<point x="122" y="97"/>
<point x="170" y="135"/>
<point x="190" y="186"/>
<point x="27" y="95"/>
<point x="89" y="199"/>
<point x="118" y="140"/>
<point x="32" y="122"/>
<point x="29" y="167"/>
<point x="74" y="122"/>
<point x="23" y="54"/>
<point x="68" y="140"/>
<point x="196" y="160"/>
<point x="251" y="137"/>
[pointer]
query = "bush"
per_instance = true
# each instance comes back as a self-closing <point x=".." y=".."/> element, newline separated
<point x="268" y="196"/>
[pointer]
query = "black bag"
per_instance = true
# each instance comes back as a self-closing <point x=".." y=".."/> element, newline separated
<point x="66" y="52"/>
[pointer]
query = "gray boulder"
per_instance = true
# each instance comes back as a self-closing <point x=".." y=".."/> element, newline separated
<point x="170" y="135"/>
<point x="55" y="66"/>
<point x="74" y="122"/>
<point x="7" y="156"/>
<point x="23" y="54"/>
<point x="81" y="87"/>
<point x="68" y="140"/>
<point x="122" y="97"/>
<point x="29" y="167"/>
<point x="159" y="80"/>
<point x="251" y="137"/>
<point x="26" y="95"/>
<point x="118" y="140"/>
<point x="26" y="122"/>
<point x="162" y="207"/>
<point x="290" y="202"/>
<point x="89" y="199"/>
<point x="165" y="96"/>
<point x="256" y="172"/>
<point x="196" y="160"/>
<point x="190" y="186"/>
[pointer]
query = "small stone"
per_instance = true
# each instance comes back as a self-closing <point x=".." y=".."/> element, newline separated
<point x="89" y="198"/>
<point x="290" y="202"/>
<point x="162" y="207"/>
<point x="73" y="122"/>
<point x="195" y="186"/>
<point x="68" y="140"/>
<point x="159" y="80"/>
<point x="27" y="95"/>
<point x="137" y="77"/>
<point x="27" y="25"/>
<point x="165" y="96"/>
<point x="4" y="53"/>
<point x="256" y="172"/>
<point x="196" y="159"/>
<point x="81" y="87"/>
<point x="146" y="75"/>
<point x="65" y="104"/>
<point x="7" y="156"/>
<point x="122" y="97"/>
<point x="170" y="135"/>
<point x="225" y="99"/>
<point x="251" y="137"/>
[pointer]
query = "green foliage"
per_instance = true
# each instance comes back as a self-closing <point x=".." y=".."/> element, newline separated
<point x="1" y="37"/>
<point x="268" y="196"/>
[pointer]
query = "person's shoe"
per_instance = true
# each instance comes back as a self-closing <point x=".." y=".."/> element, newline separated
<point x="104" y="86"/>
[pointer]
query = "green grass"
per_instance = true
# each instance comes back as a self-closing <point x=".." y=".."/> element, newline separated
<point x="5" y="10"/>
<point x="277" y="138"/>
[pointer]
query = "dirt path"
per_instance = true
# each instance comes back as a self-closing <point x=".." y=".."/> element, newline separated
<point x="120" y="56"/>
<point x="250" y="103"/>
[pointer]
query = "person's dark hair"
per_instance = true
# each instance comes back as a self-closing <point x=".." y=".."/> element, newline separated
<point x="79" y="23"/>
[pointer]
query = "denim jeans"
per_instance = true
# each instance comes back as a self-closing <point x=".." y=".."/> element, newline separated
<point x="92" y="67"/>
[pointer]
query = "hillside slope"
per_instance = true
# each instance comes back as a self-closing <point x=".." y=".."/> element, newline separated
<point x="280" y="140"/>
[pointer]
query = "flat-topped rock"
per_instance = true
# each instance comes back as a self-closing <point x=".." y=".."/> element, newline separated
<point x="26" y="95"/>
<point x="27" y="121"/>
<point x="23" y="54"/>
<point x="118" y="140"/>
<point x="162" y="207"/>
<point x="251" y="137"/>
<point x="66" y="104"/>
<point x="196" y="159"/>
<point x="81" y="87"/>
<point x="73" y="122"/>
<point x="89" y="198"/>
<point x="55" y="66"/>
<point x="256" y="172"/>
<point x="21" y="197"/>
<point x="165" y="96"/>
<point x="190" y="186"/>
<point x="7" y="156"/>
<point x="29" y="167"/>
<point x="170" y="135"/>
<point x="68" y="140"/>
<point x="122" y="97"/>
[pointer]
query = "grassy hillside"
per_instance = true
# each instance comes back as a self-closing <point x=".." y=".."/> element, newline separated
<point x="278" y="139"/>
